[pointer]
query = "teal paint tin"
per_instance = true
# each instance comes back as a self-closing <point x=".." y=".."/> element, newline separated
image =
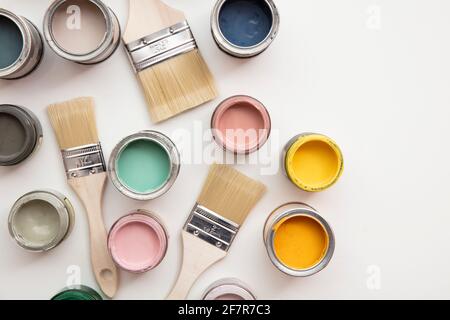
<point x="21" y="46"/>
<point x="77" y="293"/>
<point x="145" y="165"/>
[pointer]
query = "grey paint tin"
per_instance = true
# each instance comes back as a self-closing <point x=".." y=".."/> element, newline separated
<point x="20" y="134"/>
<point x="25" y="36"/>
<point x="228" y="289"/>
<point x="288" y="211"/>
<point x="244" y="28"/>
<point x="85" y="28"/>
<point x="40" y="220"/>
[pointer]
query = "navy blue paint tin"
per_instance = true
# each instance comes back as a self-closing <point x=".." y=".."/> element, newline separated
<point x="244" y="28"/>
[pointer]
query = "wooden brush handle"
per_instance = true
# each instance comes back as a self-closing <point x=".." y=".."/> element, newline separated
<point x="198" y="255"/>
<point x="146" y="17"/>
<point x="90" y="191"/>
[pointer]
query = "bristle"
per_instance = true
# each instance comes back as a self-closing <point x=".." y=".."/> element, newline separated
<point x="176" y="85"/>
<point x="74" y="122"/>
<point x="229" y="193"/>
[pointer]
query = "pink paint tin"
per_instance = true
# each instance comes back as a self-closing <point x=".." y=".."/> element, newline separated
<point x="138" y="242"/>
<point x="241" y="124"/>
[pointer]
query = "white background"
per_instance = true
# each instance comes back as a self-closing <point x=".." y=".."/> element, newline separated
<point x="379" y="88"/>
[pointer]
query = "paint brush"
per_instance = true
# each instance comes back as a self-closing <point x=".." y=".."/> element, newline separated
<point x="227" y="198"/>
<point x="166" y="59"/>
<point x="76" y="131"/>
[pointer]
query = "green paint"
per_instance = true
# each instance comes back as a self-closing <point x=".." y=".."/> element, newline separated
<point x="78" y="293"/>
<point x="143" y="166"/>
<point x="11" y="42"/>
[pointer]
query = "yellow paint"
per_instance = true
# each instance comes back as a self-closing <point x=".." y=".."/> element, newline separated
<point x="314" y="162"/>
<point x="300" y="242"/>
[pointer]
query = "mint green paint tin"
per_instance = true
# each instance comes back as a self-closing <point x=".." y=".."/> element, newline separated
<point x="145" y="165"/>
<point x="78" y="293"/>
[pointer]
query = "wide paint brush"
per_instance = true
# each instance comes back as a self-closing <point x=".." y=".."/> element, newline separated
<point x="227" y="198"/>
<point x="76" y="131"/>
<point x="165" y="57"/>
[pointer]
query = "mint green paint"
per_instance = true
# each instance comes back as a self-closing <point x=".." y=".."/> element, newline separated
<point x="143" y="166"/>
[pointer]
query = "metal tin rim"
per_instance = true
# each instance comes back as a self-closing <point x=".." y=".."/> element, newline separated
<point x="331" y="142"/>
<point x="110" y="19"/>
<point x="155" y="218"/>
<point x="262" y="139"/>
<point x="35" y="130"/>
<point x="228" y="286"/>
<point x="238" y="51"/>
<point x="171" y="150"/>
<point x="62" y="206"/>
<point x="22" y="24"/>
<point x="301" y="210"/>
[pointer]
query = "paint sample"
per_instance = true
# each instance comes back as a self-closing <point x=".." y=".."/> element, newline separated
<point x="143" y="166"/>
<point x="78" y="26"/>
<point x="316" y="163"/>
<point x="245" y="23"/>
<point x="137" y="243"/>
<point x="300" y="242"/>
<point x="11" y="42"/>
<point x="230" y="297"/>
<point x="241" y="124"/>
<point x="12" y="135"/>
<point x="37" y="222"/>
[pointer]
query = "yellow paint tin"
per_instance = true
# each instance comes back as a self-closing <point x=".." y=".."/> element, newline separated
<point x="313" y="162"/>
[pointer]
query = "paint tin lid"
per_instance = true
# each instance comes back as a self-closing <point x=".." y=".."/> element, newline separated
<point x="78" y="293"/>
<point x="228" y="289"/>
<point x="20" y="134"/>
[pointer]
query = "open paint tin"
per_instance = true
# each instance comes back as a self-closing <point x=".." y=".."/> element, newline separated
<point x="244" y="28"/>
<point x="78" y="293"/>
<point x="241" y="124"/>
<point x="145" y="165"/>
<point x="313" y="162"/>
<point x="41" y="220"/>
<point x="20" y="134"/>
<point x="82" y="31"/>
<point x="138" y="242"/>
<point x="21" y="46"/>
<point x="228" y="289"/>
<point x="298" y="240"/>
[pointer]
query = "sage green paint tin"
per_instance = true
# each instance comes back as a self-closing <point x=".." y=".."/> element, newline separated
<point x="145" y="165"/>
<point x="40" y="220"/>
<point x="78" y="293"/>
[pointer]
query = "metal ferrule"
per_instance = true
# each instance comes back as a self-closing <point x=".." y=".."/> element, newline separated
<point x="83" y="161"/>
<point x="160" y="46"/>
<point x="211" y="227"/>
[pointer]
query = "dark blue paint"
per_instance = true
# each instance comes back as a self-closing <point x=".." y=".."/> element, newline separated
<point x="245" y="23"/>
<point x="11" y="42"/>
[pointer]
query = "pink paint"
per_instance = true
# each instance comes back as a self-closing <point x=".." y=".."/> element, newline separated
<point x="241" y="124"/>
<point x="137" y="242"/>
